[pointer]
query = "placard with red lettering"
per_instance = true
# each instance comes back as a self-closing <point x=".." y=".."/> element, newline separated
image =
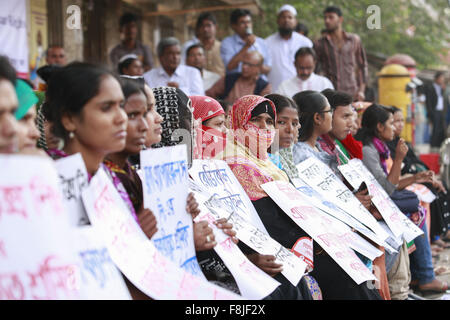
<point x="320" y="227"/>
<point x="324" y="181"/>
<point x="423" y="193"/>
<point x="293" y="267"/>
<point x="165" y="186"/>
<point x="36" y="261"/>
<point x="397" y="222"/>
<point x="136" y="256"/>
<point x="320" y="202"/>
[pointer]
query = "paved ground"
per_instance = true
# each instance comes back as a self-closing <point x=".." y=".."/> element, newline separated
<point x="443" y="259"/>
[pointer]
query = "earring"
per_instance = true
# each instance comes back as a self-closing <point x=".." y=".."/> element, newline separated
<point x="71" y="135"/>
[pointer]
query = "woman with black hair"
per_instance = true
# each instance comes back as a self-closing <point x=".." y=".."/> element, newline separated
<point x="135" y="106"/>
<point x="130" y="65"/>
<point x="315" y="115"/>
<point x="287" y="125"/>
<point x="440" y="218"/>
<point x="377" y="128"/>
<point x="252" y="133"/>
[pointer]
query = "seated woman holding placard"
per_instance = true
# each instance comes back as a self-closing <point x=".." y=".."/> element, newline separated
<point x="315" y="115"/>
<point x="377" y="129"/>
<point x="85" y="105"/>
<point x="211" y="142"/>
<point x="175" y="107"/>
<point x="252" y="131"/>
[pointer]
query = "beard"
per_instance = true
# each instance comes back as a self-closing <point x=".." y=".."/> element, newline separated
<point x="285" y="31"/>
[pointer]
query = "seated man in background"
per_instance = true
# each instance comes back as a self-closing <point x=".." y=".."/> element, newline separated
<point x="236" y="85"/>
<point x="173" y="74"/>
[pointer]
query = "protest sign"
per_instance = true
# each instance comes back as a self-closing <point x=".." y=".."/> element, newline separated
<point x="253" y="283"/>
<point x="323" y="180"/>
<point x="423" y="193"/>
<point x="41" y="255"/>
<point x="136" y="256"/>
<point x="35" y="259"/>
<point x="319" y="226"/>
<point x="330" y="208"/>
<point x="217" y="177"/>
<point x="293" y="267"/>
<point x="165" y="186"/>
<point x="13" y="32"/>
<point x="73" y="178"/>
<point x="397" y="222"/>
<point x="99" y="277"/>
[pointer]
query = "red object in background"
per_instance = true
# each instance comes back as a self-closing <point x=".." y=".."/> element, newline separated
<point x="432" y="161"/>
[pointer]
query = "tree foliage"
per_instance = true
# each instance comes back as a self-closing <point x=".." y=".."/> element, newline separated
<point x="430" y="21"/>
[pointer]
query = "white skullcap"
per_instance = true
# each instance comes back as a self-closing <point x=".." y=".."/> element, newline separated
<point x="288" y="7"/>
<point x="128" y="56"/>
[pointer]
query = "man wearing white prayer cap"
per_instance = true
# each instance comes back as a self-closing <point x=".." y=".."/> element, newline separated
<point x="288" y="7"/>
<point x="283" y="45"/>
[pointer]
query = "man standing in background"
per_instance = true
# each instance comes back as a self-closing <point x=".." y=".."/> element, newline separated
<point x="235" y="47"/>
<point x="437" y="106"/>
<point x="341" y="56"/>
<point x="283" y="45"/>
<point x="129" y="28"/>
<point x="205" y="34"/>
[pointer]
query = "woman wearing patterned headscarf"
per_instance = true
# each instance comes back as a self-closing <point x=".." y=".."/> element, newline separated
<point x="252" y="132"/>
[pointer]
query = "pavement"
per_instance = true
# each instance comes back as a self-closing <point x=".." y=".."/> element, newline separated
<point x="442" y="260"/>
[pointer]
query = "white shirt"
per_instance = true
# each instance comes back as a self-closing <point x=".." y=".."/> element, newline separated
<point x="315" y="82"/>
<point x="188" y="78"/>
<point x="186" y="46"/>
<point x="440" y="97"/>
<point x="283" y="54"/>
<point x="209" y="78"/>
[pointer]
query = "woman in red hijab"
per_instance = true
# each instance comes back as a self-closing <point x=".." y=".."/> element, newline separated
<point x="211" y="134"/>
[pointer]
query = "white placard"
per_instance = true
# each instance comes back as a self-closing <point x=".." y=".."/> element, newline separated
<point x="40" y="252"/>
<point x="330" y="208"/>
<point x="320" y="227"/>
<point x="399" y="224"/>
<point x="73" y="179"/>
<point x="293" y="267"/>
<point x="423" y="193"/>
<point x="323" y="180"/>
<point x="13" y="32"/>
<point x="253" y="283"/>
<point x="99" y="277"/>
<point x="165" y="186"/>
<point x="217" y="177"/>
<point x="136" y="256"/>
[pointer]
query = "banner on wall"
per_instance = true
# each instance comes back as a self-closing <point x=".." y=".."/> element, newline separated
<point x="38" y="31"/>
<point x="13" y="34"/>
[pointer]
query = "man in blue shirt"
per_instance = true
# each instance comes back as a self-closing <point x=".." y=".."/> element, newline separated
<point x="234" y="48"/>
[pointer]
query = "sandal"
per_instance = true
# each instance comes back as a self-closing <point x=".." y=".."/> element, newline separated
<point x="441" y="244"/>
<point x="436" y="248"/>
<point x="442" y="289"/>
